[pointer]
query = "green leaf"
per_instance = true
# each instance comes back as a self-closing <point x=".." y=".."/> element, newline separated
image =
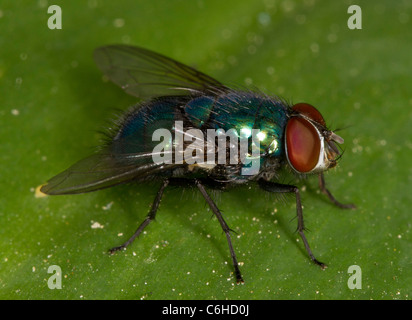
<point x="54" y="102"/>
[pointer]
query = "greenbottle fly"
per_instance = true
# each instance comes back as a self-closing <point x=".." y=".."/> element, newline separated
<point x="271" y="134"/>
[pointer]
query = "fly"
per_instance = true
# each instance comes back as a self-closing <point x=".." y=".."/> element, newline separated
<point x="165" y="137"/>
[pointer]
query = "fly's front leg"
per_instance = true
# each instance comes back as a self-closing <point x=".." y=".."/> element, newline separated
<point x="285" y="188"/>
<point x="323" y="188"/>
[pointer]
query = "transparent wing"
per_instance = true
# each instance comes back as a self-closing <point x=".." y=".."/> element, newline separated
<point x="103" y="170"/>
<point x="144" y="73"/>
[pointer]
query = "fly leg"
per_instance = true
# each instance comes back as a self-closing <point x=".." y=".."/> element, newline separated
<point x="149" y="218"/>
<point x="225" y="228"/>
<point x="285" y="188"/>
<point x="323" y="188"/>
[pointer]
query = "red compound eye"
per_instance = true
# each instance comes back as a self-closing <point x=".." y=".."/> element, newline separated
<point x="309" y="111"/>
<point x="303" y="144"/>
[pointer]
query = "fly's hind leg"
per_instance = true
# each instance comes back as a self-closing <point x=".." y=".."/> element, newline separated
<point x="322" y="187"/>
<point x="149" y="218"/>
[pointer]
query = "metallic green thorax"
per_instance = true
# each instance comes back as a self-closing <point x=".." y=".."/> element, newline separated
<point x="238" y="110"/>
